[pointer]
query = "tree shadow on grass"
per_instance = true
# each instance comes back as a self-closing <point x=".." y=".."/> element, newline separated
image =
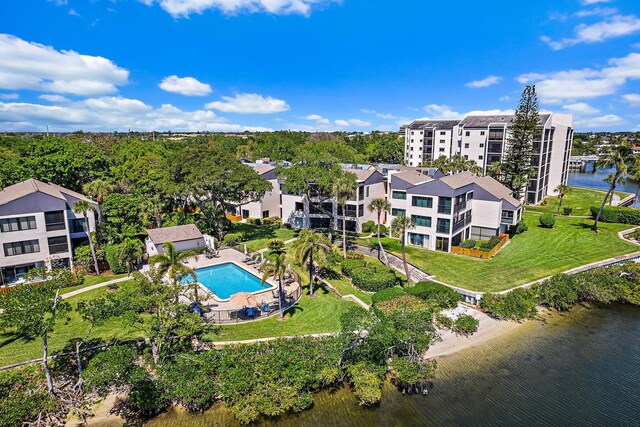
<point x="7" y="338"/>
<point x="583" y="225"/>
<point x="292" y="311"/>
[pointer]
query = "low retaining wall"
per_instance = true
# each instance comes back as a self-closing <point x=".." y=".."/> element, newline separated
<point x="504" y="238"/>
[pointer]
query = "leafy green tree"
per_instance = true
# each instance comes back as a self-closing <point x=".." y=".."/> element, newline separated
<point x="130" y="253"/>
<point x="495" y="170"/>
<point x="122" y="216"/>
<point x="83" y="207"/>
<point x="276" y="266"/>
<point x="97" y="190"/>
<point x="153" y="308"/>
<point x="516" y="165"/>
<point x="401" y="224"/>
<point x="562" y="190"/>
<point x="306" y="246"/>
<point x="380" y="205"/>
<point x="623" y="158"/>
<point x="344" y="189"/>
<point x="33" y="309"/>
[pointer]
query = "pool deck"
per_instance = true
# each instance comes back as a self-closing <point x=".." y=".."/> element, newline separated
<point x="232" y="256"/>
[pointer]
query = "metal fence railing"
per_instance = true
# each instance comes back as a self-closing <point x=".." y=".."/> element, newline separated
<point x="264" y="309"/>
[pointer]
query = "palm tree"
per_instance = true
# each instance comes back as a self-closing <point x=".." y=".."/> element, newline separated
<point x="380" y="205"/>
<point x="305" y="246"/>
<point x="130" y="253"/>
<point x="344" y="189"/>
<point x="83" y="207"/>
<point x="634" y="175"/>
<point x="403" y="223"/>
<point x="98" y="190"/>
<point x="562" y="190"/>
<point x="276" y="266"/>
<point x="171" y="262"/>
<point x="495" y="170"/>
<point x="623" y="158"/>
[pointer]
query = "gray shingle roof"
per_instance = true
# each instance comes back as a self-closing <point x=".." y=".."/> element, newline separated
<point x="459" y="180"/>
<point x="437" y="124"/>
<point x="412" y="177"/>
<point x="178" y="233"/>
<point x="361" y="174"/>
<point x="500" y="191"/>
<point x="262" y="169"/>
<point x="30" y="186"/>
<point x="485" y="121"/>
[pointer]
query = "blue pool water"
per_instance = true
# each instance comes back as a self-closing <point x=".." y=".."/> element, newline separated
<point x="227" y="279"/>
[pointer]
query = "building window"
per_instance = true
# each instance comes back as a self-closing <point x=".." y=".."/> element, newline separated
<point x="422" y="202"/>
<point x="399" y="195"/>
<point x="470" y="195"/>
<point x="481" y="132"/>
<point x="54" y="220"/>
<point x="245" y="213"/>
<point x="367" y="190"/>
<point x="58" y="244"/>
<point x="360" y="210"/>
<point x="423" y="221"/>
<point x="398" y="212"/>
<point x="466" y="145"/>
<point x="76" y="225"/>
<point x="480" y="157"/>
<point x="265" y="214"/>
<point x="412" y="140"/>
<point x="18" y="224"/>
<point x="482" y="145"/>
<point x="361" y="193"/>
<point x="418" y="239"/>
<point x="20" y="248"/>
<point x="443" y="225"/>
<point x="443" y="133"/>
<point x="441" y="149"/>
<point x="467" y="133"/>
<point x="411" y="132"/>
<point x="411" y="149"/>
<point x="442" y="141"/>
<point x="444" y="205"/>
<point x="466" y="157"/>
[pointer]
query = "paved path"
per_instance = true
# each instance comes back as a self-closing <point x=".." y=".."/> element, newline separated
<point x="96" y="286"/>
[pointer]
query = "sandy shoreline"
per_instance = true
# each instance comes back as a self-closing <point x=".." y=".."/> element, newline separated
<point x="488" y="329"/>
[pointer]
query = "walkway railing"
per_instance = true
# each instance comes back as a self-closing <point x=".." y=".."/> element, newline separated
<point x="249" y="314"/>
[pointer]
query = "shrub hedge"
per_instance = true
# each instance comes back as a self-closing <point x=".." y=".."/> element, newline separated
<point x="520" y="228"/>
<point x="348" y="265"/>
<point x="547" y="220"/>
<point x="111" y="253"/>
<point x="516" y="305"/>
<point x="465" y="325"/>
<point x="444" y="296"/>
<point x="567" y="211"/>
<point x="618" y="214"/>
<point x="386" y="294"/>
<point x="368" y="226"/>
<point x="372" y="279"/>
<point x="468" y="244"/>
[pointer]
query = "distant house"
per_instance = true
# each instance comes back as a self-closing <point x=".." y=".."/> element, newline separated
<point x="183" y="237"/>
<point x="38" y="228"/>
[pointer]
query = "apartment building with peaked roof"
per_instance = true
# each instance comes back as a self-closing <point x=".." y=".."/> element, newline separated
<point x="483" y="139"/>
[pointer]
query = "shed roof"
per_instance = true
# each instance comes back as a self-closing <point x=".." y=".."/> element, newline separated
<point x="178" y="233"/>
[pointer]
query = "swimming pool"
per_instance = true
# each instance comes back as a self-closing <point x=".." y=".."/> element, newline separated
<point x="227" y="279"/>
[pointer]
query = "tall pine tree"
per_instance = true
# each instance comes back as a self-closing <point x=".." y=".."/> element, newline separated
<point x="517" y="166"/>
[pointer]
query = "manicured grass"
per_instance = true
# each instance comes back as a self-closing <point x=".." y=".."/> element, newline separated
<point x="536" y="254"/>
<point x="13" y="348"/>
<point x="92" y="280"/>
<point x="258" y="237"/>
<point x="311" y="316"/>
<point x="580" y="199"/>
<point x="345" y="287"/>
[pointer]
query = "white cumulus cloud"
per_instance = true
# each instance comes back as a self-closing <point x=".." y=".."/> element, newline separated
<point x="586" y="83"/>
<point x="58" y="99"/>
<point x="184" y="8"/>
<point x="486" y="82"/>
<point x="185" y="86"/>
<point x="615" y="26"/>
<point x="632" y="99"/>
<point x="248" y="103"/>
<point x="9" y="96"/>
<point x="33" y="66"/>
<point x="112" y="114"/>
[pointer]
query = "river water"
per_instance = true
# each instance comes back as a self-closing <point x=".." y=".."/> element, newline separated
<point x="579" y="368"/>
<point x="587" y="178"/>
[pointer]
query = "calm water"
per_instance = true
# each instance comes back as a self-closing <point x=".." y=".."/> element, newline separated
<point x="595" y="179"/>
<point x="575" y="369"/>
<point x="228" y="279"/>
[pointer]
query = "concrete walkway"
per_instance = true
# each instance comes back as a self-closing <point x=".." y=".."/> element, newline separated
<point x="96" y="286"/>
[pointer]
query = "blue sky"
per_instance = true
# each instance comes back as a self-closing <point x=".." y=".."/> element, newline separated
<point x="230" y="65"/>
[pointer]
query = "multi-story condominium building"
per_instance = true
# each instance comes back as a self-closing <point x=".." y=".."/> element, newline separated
<point x="484" y="140"/>
<point x="448" y="210"/>
<point x="300" y="213"/>
<point x="38" y="228"/>
<point x="269" y="205"/>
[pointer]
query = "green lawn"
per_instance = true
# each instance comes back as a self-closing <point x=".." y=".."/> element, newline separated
<point x="580" y="199"/>
<point x="310" y="316"/>
<point x="258" y="237"/>
<point x="15" y="349"/>
<point x="536" y="254"/>
<point x="90" y="281"/>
